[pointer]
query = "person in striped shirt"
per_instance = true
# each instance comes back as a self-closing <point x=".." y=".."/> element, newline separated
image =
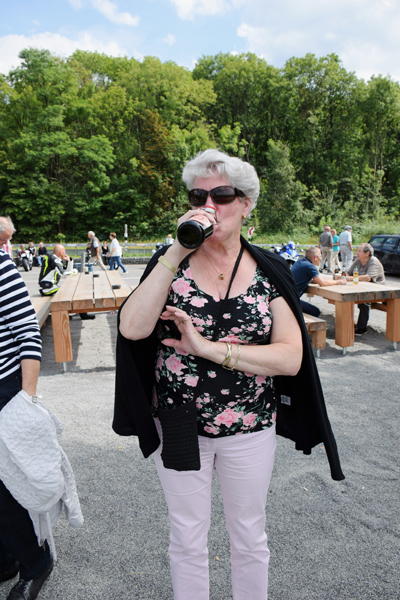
<point x="20" y="355"/>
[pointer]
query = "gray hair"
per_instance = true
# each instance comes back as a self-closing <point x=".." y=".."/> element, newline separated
<point x="368" y="248"/>
<point x="6" y="225"/>
<point x="240" y="174"/>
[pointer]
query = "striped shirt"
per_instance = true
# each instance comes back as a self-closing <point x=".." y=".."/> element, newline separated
<point x="19" y="330"/>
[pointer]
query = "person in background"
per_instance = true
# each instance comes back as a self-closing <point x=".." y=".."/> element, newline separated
<point x="42" y="251"/>
<point x="20" y="250"/>
<point x="369" y="268"/>
<point x="335" y="249"/>
<point x="115" y="253"/>
<point x="325" y="244"/>
<point x="7" y="230"/>
<point x="32" y="250"/>
<point x="95" y="250"/>
<point x="346" y="248"/>
<point x="169" y="240"/>
<point x="306" y="271"/>
<point x="20" y="355"/>
<point x="104" y="253"/>
<point x="51" y="271"/>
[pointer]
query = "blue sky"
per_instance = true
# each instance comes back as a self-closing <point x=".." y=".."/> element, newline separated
<point x="364" y="33"/>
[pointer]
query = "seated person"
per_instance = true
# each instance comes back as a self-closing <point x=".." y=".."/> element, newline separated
<point x="42" y="250"/>
<point x="51" y="270"/>
<point x="50" y="274"/>
<point x="306" y="271"/>
<point x="370" y="268"/>
<point x="32" y="250"/>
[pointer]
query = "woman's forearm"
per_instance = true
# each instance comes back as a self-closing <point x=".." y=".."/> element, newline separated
<point x="142" y="310"/>
<point x="279" y="358"/>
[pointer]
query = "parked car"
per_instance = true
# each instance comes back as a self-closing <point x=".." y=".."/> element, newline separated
<point x="387" y="249"/>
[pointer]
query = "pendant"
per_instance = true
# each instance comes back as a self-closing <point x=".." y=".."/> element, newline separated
<point x="221" y="276"/>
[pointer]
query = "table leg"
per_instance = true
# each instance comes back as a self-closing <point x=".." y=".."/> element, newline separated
<point x="393" y="321"/>
<point x="344" y="324"/>
<point x="61" y="336"/>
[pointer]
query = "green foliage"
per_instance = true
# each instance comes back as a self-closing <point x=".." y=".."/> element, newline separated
<point x="280" y="204"/>
<point x="94" y="142"/>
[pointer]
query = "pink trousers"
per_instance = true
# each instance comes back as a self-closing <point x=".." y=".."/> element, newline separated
<point x="244" y="466"/>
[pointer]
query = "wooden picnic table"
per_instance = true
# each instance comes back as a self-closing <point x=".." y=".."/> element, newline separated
<point x="344" y="297"/>
<point x="83" y="293"/>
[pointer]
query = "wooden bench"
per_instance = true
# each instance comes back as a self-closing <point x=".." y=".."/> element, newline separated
<point x="41" y="305"/>
<point x="316" y="327"/>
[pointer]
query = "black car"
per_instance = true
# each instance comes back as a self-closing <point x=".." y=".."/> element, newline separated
<point x="387" y="249"/>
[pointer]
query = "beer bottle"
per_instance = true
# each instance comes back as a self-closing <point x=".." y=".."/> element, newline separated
<point x="355" y="275"/>
<point x="191" y="234"/>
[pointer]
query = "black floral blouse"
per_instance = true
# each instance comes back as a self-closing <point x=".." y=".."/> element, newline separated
<point x="228" y="402"/>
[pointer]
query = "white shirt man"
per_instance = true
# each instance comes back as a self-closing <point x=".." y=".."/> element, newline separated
<point x="346" y="248"/>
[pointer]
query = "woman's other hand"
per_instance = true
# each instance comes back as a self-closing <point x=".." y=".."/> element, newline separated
<point x="191" y="341"/>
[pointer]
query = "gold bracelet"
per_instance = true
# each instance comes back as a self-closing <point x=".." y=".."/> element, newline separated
<point x="167" y="264"/>
<point x="226" y="365"/>
<point x="228" y="356"/>
<point x="237" y="358"/>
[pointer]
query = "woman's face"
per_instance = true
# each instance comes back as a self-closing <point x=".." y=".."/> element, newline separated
<point x="228" y="216"/>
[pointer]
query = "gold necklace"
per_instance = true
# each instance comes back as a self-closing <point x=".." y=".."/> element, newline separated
<point x="220" y="275"/>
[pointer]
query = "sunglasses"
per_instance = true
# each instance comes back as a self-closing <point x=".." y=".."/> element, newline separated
<point x="224" y="194"/>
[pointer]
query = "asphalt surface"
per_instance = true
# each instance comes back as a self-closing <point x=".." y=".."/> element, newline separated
<point x="328" y="540"/>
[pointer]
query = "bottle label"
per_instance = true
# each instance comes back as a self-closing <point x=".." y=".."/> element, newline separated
<point x="202" y="219"/>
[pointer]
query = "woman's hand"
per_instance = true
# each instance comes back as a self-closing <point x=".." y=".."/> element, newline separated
<point x="191" y="341"/>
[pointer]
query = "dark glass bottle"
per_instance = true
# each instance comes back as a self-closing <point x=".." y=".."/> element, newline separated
<point x="191" y="234"/>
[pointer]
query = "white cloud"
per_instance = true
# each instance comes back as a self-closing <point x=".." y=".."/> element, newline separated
<point x="188" y="9"/>
<point x="169" y="39"/>
<point x="110" y="11"/>
<point x="363" y="33"/>
<point x="11" y="46"/>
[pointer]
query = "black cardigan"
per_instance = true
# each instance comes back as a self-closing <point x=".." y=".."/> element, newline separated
<point x="302" y="415"/>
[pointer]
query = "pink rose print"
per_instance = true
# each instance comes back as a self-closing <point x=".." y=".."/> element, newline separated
<point x="226" y="315"/>
<point x="191" y="381"/>
<point x="235" y="329"/>
<point x="273" y="419"/>
<point x="230" y="338"/>
<point x="260" y="380"/>
<point x="182" y="287"/>
<point x="266" y="321"/>
<point x="228" y="417"/>
<point x="249" y="419"/>
<point x="160" y="362"/>
<point x="187" y="273"/>
<point x="263" y="308"/>
<point x="199" y="302"/>
<point x="174" y="365"/>
<point x="197" y="321"/>
<point x="211" y="374"/>
<point x="249" y="299"/>
<point x="225" y="392"/>
<point x="210" y="429"/>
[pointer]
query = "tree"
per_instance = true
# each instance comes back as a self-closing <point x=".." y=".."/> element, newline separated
<point x="279" y="207"/>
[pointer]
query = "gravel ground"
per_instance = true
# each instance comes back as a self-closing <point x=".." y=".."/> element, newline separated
<point x="328" y="540"/>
